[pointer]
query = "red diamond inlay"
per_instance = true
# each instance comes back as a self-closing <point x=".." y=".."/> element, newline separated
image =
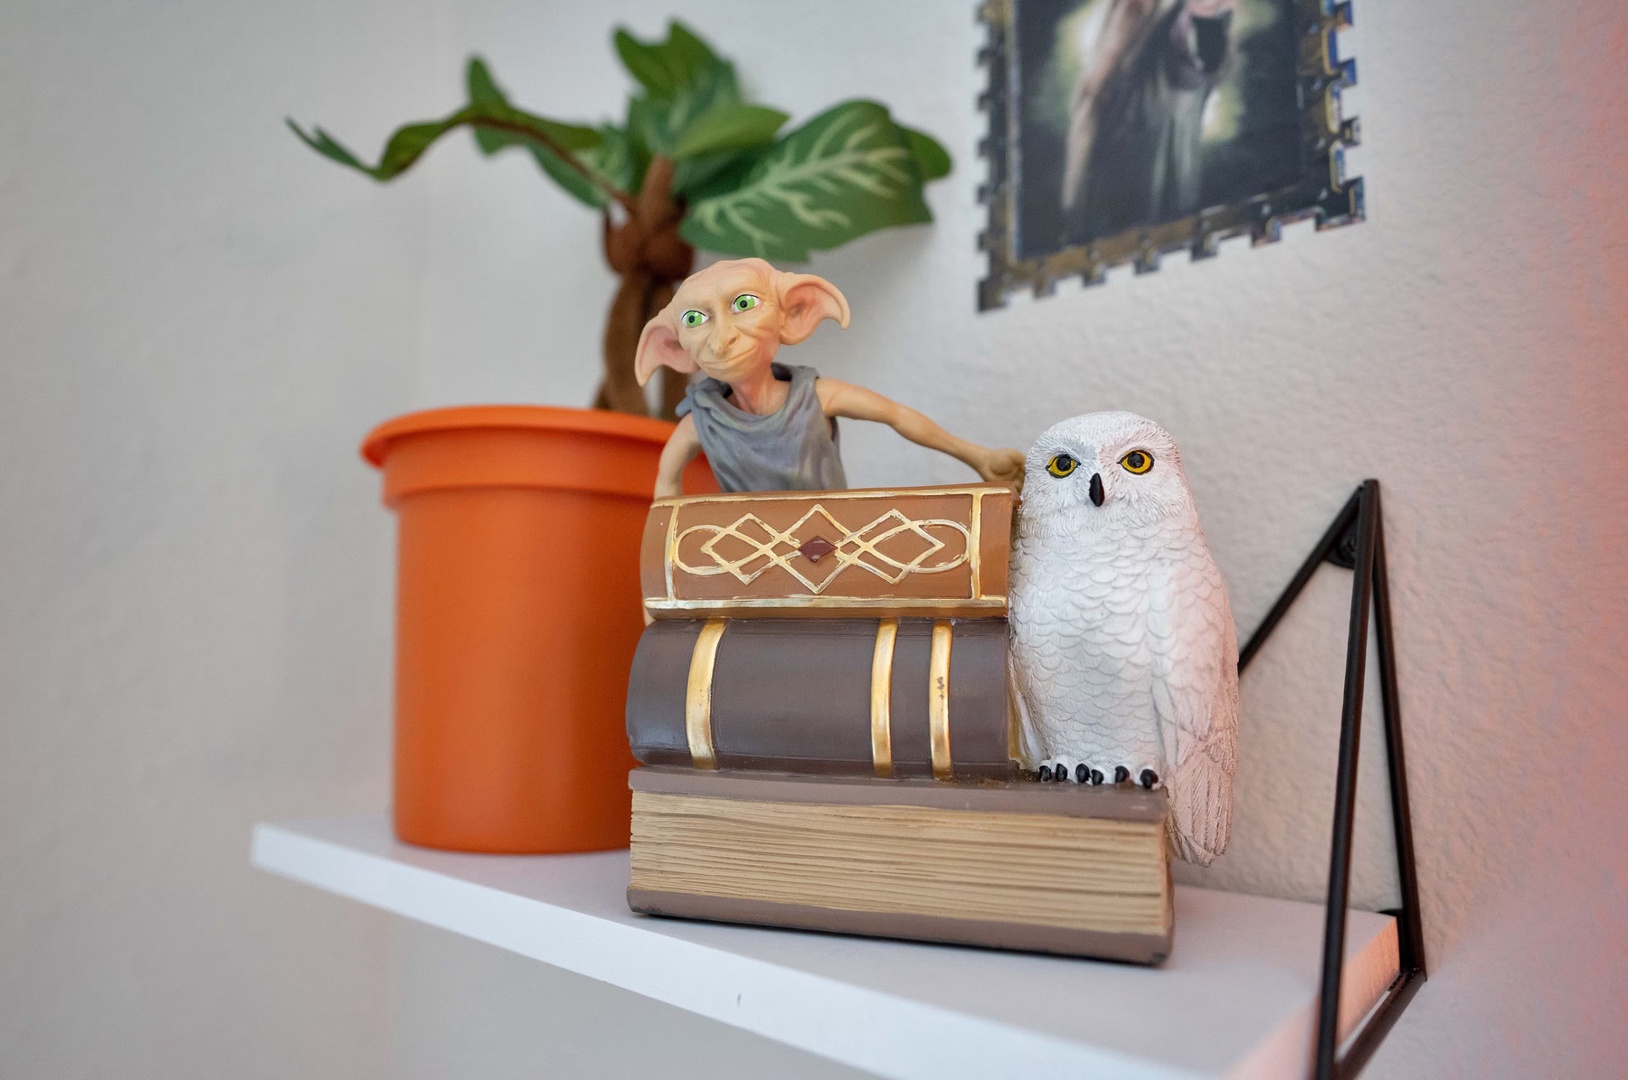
<point x="816" y="549"/>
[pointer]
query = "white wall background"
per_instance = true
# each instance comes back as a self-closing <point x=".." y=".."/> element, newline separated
<point x="199" y="319"/>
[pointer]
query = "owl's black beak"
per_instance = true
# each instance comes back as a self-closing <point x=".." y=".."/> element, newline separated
<point x="1096" y="489"/>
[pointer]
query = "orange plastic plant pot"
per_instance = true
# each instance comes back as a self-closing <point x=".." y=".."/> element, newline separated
<point x="517" y="613"/>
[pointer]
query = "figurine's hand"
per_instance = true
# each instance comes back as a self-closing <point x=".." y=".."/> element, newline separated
<point x="1002" y="466"/>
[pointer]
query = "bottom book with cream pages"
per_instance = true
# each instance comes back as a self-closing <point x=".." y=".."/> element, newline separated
<point x="1053" y="868"/>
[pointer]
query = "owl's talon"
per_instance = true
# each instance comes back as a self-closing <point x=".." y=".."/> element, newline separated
<point x="1096" y="777"/>
<point x="1121" y="774"/>
<point x="1060" y="772"/>
<point x="1045" y="773"/>
<point x="1150" y="779"/>
<point x="1082" y="775"/>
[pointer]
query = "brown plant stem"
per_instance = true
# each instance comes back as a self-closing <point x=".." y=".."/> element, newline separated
<point x="620" y="389"/>
<point x="650" y="258"/>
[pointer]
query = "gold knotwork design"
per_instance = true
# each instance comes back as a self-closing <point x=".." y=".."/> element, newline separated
<point x="859" y="547"/>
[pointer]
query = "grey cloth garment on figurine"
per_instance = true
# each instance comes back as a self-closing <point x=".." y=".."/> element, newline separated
<point x="791" y="449"/>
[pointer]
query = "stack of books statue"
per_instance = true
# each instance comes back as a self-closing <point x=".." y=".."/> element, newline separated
<point x="820" y="705"/>
<point x="820" y="710"/>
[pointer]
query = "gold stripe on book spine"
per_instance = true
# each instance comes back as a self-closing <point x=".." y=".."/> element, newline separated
<point x="670" y="552"/>
<point x="938" y="699"/>
<point x="994" y="605"/>
<point x="850" y="493"/>
<point x="975" y="545"/>
<point x="698" y="698"/>
<point x="887" y="631"/>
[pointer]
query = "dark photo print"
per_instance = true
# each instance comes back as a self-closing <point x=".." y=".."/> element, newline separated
<point x="1129" y="128"/>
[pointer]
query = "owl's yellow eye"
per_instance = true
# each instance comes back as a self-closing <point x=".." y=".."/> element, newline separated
<point x="1061" y="465"/>
<point x="1137" y="461"/>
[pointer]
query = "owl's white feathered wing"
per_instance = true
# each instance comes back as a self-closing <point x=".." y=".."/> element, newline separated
<point x="1195" y="695"/>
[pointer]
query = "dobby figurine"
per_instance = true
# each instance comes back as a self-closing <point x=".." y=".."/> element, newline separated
<point x="766" y="426"/>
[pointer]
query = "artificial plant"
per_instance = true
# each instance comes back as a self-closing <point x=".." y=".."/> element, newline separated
<point x="694" y="165"/>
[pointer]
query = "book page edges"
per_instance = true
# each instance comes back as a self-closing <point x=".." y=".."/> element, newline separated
<point x="985" y="933"/>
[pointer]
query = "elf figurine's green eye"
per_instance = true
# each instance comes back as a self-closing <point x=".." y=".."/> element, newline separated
<point x="694" y="318"/>
<point x="744" y="302"/>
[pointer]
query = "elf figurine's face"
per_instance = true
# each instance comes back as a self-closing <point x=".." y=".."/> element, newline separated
<point x="729" y="320"/>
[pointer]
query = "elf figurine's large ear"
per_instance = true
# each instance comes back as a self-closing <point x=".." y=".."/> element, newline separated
<point x="658" y="345"/>
<point x="806" y="300"/>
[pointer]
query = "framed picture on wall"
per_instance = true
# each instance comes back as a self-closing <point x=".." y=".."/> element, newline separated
<point x="1122" y="130"/>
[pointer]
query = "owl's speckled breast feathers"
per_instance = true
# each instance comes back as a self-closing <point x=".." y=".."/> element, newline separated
<point x="1123" y="646"/>
<point x="1080" y="608"/>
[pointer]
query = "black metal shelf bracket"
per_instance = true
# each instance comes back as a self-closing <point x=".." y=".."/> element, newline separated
<point x="1356" y="541"/>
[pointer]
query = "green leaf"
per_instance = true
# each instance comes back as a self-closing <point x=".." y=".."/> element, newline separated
<point x="575" y="184"/>
<point x="612" y="161"/>
<point x="691" y="49"/>
<point x="638" y="147"/>
<point x="488" y="112"/>
<point x="932" y="159"/>
<point x="734" y="126"/>
<point x="669" y="68"/>
<point x="483" y="89"/>
<point x="646" y="124"/>
<point x="491" y="107"/>
<point x="405" y="146"/>
<point x="847" y="172"/>
<point x="606" y="158"/>
<point x="646" y="63"/>
<point x="683" y="81"/>
<point x="661" y="123"/>
<point x="702" y="177"/>
<point x="324" y="144"/>
<point x="615" y="158"/>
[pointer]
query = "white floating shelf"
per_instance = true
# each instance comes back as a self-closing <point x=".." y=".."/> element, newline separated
<point x="1236" y="999"/>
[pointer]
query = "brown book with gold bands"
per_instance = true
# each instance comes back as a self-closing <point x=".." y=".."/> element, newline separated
<point x="885" y="697"/>
<point x="937" y="551"/>
<point x="1057" y="868"/>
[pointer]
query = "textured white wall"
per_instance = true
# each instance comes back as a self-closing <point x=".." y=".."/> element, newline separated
<point x="199" y="319"/>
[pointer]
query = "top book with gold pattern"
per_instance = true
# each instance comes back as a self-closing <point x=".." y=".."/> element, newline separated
<point x="930" y="552"/>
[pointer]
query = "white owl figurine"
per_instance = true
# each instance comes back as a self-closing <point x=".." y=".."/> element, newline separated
<point x="1124" y="654"/>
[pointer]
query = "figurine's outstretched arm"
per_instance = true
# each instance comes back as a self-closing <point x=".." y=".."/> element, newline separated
<point x="857" y="403"/>
<point x="682" y="446"/>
